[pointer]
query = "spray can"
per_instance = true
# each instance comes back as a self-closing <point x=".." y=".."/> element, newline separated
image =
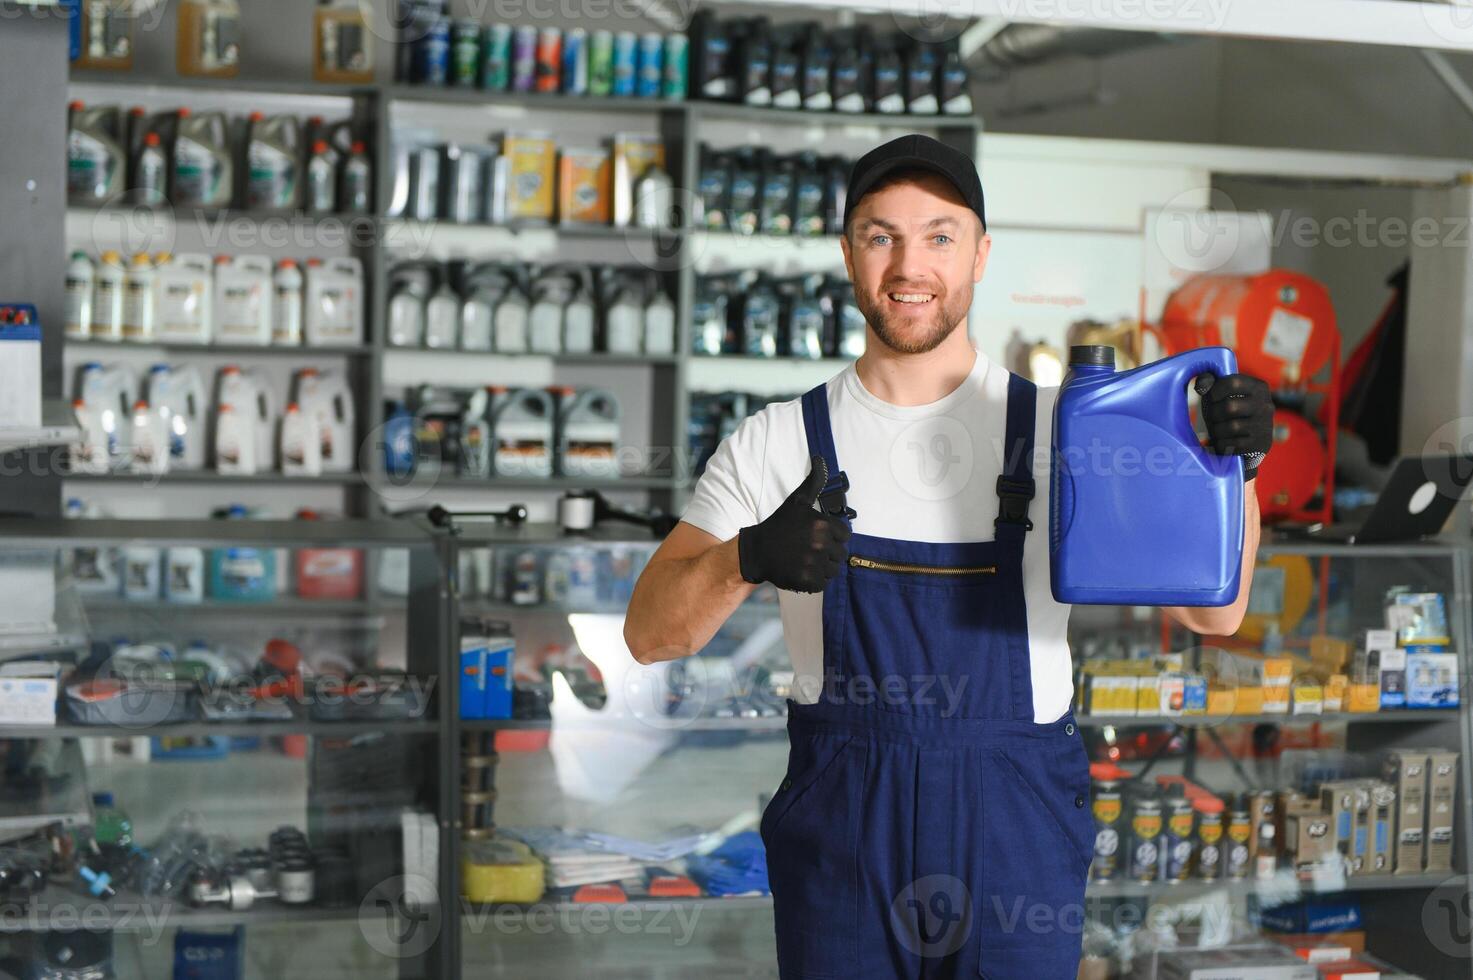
<point x="1210" y="834"/>
<point x="650" y="71"/>
<point x="1239" y="833"/>
<point x="430" y="59"/>
<point x="1145" y="839"/>
<point x="575" y="62"/>
<point x="549" y="59"/>
<point x="496" y="58"/>
<point x="625" y="62"/>
<point x="1179" y="844"/>
<point x="465" y="53"/>
<point x="1265" y="840"/>
<point x="677" y="66"/>
<point x="1106" y="805"/>
<point x="601" y="63"/>
<point x="524" y="59"/>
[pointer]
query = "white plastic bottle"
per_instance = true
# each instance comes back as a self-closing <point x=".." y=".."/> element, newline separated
<point x="141" y="572"/>
<point x="325" y="396"/>
<point x="184" y="574"/>
<point x="659" y="324"/>
<point x="148" y="440"/>
<point x="93" y="452"/>
<point x="253" y="399"/>
<point x="81" y="282"/>
<point x="107" y="298"/>
<point x="243" y="300"/>
<point x="286" y="310"/>
<point x="301" y="443"/>
<point x="138" y="300"/>
<point x="235" y="441"/>
<point x="177" y="395"/>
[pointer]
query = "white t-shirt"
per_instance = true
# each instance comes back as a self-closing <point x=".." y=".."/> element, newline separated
<point x="916" y="472"/>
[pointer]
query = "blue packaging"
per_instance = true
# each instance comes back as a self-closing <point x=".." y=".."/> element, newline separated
<point x="430" y="61"/>
<point x="209" y="955"/>
<point x="626" y="60"/>
<point x="1311" y="916"/>
<point x="523" y="59"/>
<point x="73" y="9"/>
<point x="399" y="441"/>
<point x="575" y="61"/>
<point x="486" y="675"/>
<point x="650" y="73"/>
<point x="242" y="574"/>
<point x="1140" y="513"/>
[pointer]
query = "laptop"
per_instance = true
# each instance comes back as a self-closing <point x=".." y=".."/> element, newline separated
<point x="1416" y="503"/>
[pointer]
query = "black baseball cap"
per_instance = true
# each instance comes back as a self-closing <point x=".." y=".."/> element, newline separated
<point x="915" y="152"/>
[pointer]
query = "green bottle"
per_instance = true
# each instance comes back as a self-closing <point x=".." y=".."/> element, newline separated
<point x="601" y="63"/>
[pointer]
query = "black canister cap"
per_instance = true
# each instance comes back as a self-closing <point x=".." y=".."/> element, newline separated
<point x="1092" y="355"/>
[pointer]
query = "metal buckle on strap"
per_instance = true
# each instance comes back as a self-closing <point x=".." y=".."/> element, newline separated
<point x="1013" y="498"/>
<point x="831" y="498"/>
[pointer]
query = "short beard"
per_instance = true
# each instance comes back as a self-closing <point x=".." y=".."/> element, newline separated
<point x="946" y="321"/>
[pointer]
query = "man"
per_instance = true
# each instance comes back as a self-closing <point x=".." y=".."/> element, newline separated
<point x="933" y="820"/>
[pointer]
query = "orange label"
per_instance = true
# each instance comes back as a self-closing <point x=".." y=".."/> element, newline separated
<point x="1107" y="811"/>
<point x="1146" y="826"/>
<point x="1181" y="824"/>
<point x="1211" y="833"/>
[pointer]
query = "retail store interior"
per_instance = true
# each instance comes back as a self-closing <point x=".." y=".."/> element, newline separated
<point x="356" y="356"/>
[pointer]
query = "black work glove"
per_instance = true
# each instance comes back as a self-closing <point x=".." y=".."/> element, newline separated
<point x="1239" y="414"/>
<point x="798" y="547"/>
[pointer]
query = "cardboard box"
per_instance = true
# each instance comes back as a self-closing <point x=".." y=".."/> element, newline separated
<point x="28" y="690"/>
<point x="1382" y="820"/>
<point x="1336" y="693"/>
<point x="1147" y="694"/>
<point x="1406" y="771"/>
<point x="1349" y="970"/>
<point x="1263" y="840"/>
<point x="1317" y="916"/>
<point x="1363" y="698"/>
<point x="1278" y="677"/>
<point x="1328" y="655"/>
<point x="1431" y="679"/>
<point x="531" y="177"/>
<point x="1265" y="962"/>
<point x="1322" y="953"/>
<point x="1351" y="939"/>
<point x="1391" y="672"/>
<point x="1442" y="784"/>
<point x="1337" y="800"/>
<point x="633" y="155"/>
<point x="1309" y="699"/>
<point x="1250" y="700"/>
<point x="1361" y="828"/>
<point x="1309" y="836"/>
<point x="585" y="186"/>
<point x="1222" y="700"/>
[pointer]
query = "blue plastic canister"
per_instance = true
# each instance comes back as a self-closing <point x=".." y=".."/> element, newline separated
<point x="1139" y="512"/>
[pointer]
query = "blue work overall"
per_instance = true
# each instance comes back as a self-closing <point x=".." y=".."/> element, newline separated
<point x="927" y="827"/>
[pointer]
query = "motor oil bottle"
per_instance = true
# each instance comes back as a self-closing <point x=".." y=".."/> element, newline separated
<point x="301" y="442"/>
<point x="286" y="304"/>
<point x="478" y="313"/>
<point x="355" y="180"/>
<point x="243" y="297"/>
<point x="107" y="298"/>
<point x="332" y="309"/>
<point x="659" y="319"/>
<point x="442" y="318"/>
<point x="550" y="296"/>
<point x="139" y="300"/>
<point x="177" y="396"/>
<point x="202" y="174"/>
<point x="510" y="327"/>
<point x="185" y="301"/>
<point x="95" y="158"/>
<point x="81" y="281"/>
<point x="580" y="317"/>
<point x="150" y="172"/>
<point x="271" y="160"/>
<point x="98" y="444"/>
<point x="475" y="433"/>
<point x="399" y="449"/>
<point x="247" y="443"/>
<point x="409" y="290"/>
<point x="242" y="574"/>
<point x="587" y="433"/>
<point x="322" y="189"/>
<point x="148" y="441"/>
<point x="759" y="319"/>
<point x="803" y="317"/>
<point x="141" y="572"/>
<point x="522" y="434"/>
<point x="208" y="39"/>
<point x="343" y="51"/>
<point x="623" y="316"/>
<point x="325" y="395"/>
<point x="111" y="391"/>
<point x="184" y="574"/>
<point x="1140" y="513"/>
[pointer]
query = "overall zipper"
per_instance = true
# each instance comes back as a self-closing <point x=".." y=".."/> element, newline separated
<point x="856" y="561"/>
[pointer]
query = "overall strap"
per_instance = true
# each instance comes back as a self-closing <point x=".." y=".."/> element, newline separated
<point x="821" y="443"/>
<point x="1015" y="485"/>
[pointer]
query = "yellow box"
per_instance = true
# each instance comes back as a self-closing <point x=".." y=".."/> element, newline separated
<point x="496" y="871"/>
<point x="1249" y="700"/>
<point x="1363" y="697"/>
<point x="1222" y="700"/>
<point x="531" y="178"/>
<point x="1335" y="691"/>
<point x="1309" y="699"/>
<point x="1147" y="694"/>
<point x="1278" y="671"/>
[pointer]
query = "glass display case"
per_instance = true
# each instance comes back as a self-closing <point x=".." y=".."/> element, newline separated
<point x="220" y="741"/>
<point x="1301" y="784"/>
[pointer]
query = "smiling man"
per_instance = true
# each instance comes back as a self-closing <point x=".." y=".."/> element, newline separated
<point x="934" y="817"/>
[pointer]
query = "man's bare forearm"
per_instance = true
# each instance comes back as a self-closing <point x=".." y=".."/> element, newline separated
<point x="1225" y="620"/>
<point x="681" y="601"/>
